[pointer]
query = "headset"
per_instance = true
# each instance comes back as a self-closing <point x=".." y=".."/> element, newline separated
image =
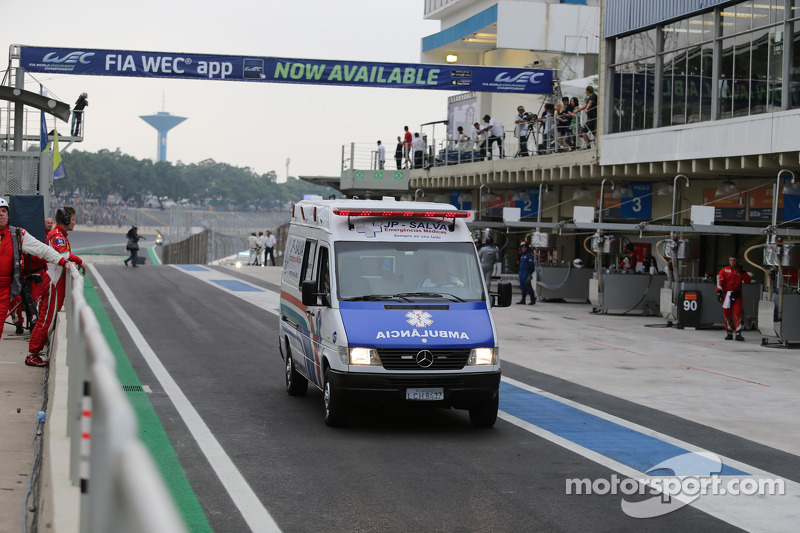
<point x="63" y="217"/>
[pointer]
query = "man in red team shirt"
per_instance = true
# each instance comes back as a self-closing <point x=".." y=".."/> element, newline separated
<point x="407" y="139"/>
<point x="57" y="238"/>
<point x="729" y="292"/>
<point x="9" y="274"/>
<point x="40" y="291"/>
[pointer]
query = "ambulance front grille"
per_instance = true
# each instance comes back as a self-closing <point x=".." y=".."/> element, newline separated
<point x="406" y="359"/>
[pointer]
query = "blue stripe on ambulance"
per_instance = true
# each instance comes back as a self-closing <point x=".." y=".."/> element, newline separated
<point x="378" y="325"/>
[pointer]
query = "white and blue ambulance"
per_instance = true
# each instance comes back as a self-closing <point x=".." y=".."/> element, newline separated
<point x="385" y="299"/>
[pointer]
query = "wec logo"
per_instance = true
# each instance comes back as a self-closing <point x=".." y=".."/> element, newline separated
<point x="72" y="57"/>
<point x="522" y="77"/>
<point x="419" y="319"/>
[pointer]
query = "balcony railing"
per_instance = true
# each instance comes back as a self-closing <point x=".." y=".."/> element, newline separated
<point x="364" y="156"/>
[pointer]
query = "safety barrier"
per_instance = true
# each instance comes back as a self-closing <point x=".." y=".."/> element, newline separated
<point x="191" y="250"/>
<point x="121" y="487"/>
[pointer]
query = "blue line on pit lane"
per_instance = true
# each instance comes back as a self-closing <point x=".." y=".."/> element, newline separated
<point x="624" y="445"/>
<point x="192" y="268"/>
<point x="233" y="285"/>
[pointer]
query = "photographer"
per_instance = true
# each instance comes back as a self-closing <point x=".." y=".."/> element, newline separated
<point x="133" y="246"/>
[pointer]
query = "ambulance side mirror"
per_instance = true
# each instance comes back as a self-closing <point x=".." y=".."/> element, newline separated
<point x="503" y="296"/>
<point x="309" y="289"/>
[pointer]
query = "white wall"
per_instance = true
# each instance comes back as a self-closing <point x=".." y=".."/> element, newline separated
<point x="554" y="27"/>
<point x="759" y="134"/>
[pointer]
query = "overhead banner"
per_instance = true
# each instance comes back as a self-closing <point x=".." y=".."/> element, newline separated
<point x="284" y="70"/>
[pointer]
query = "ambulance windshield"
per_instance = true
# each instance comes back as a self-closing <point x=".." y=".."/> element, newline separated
<point x="408" y="271"/>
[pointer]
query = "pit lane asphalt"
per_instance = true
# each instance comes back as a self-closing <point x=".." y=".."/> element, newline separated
<point x="389" y="469"/>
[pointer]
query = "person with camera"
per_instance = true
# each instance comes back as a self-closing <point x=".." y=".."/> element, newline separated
<point x="77" y="114"/>
<point x="58" y="241"/>
<point x="133" y="246"/>
<point x="522" y="125"/>
<point x="730" y="281"/>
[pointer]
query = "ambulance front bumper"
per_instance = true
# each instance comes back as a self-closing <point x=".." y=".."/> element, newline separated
<point x="460" y="391"/>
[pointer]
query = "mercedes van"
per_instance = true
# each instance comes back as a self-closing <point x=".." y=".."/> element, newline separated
<point x="386" y="300"/>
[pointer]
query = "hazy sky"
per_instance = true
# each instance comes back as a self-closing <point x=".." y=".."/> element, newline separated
<point x="244" y="124"/>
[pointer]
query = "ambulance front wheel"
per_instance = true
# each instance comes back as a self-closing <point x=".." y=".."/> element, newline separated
<point x="334" y="407"/>
<point x="486" y="415"/>
<point x="296" y="384"/>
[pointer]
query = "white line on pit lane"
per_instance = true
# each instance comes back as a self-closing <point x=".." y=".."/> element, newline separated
<point x="250" y="507"/>
<point x="263" y="298"/>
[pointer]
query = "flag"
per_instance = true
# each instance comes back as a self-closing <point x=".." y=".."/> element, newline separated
<point x="58" y="165"/>
<point x="43" y="135"/>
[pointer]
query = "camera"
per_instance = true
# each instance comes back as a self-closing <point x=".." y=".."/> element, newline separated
<point x="529" y="117"/>
<point x="27" y="299"/>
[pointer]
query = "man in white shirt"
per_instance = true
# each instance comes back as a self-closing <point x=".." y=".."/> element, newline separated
<point x="418" y="148"/>
<point x="521" y="131"/>
<point x="480" y="140"/>
<point x="252" y="243"/>
<point x="381" y="156"/>
<point x="259" y="247"/>
<point x="269" y="248"/>
<point x="495" y="131"/>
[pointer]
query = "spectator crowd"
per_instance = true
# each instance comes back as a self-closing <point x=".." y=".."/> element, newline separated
<point x="563" y="126"/>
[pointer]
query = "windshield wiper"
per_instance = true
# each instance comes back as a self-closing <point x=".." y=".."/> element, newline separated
<point x="429" y="295"/>
<point x="374" y="297"/>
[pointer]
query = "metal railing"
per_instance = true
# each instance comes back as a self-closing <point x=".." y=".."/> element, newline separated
<point x="32" y="124"/>
<point x="121" y="487"/>
<point x="364" y="156"/>
<point x="434" y="5"/>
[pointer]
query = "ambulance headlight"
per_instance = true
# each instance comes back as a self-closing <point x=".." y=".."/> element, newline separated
<point x="364" y="357"/>
<point x="483" y="356"/>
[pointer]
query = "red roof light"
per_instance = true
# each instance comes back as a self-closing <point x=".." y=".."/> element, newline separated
<point x="398" y="213"/>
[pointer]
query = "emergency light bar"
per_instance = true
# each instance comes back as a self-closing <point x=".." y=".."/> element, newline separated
<point x="398" y="213"/>
<point x="403" y="213"/>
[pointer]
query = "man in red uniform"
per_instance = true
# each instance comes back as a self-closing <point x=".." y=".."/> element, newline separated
<point x="729" y="292"/>
<point x="40" y="292"/>
<point x="629" y="260"/>
<point x="57" y="238"/>
<point x="29" y="245"/>
<point x="407" y="139"/>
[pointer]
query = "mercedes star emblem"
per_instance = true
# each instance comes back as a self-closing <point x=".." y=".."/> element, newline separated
<point x="425" y="358"/>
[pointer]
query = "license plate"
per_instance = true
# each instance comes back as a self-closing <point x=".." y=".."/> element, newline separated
<point x="425" y="395"/>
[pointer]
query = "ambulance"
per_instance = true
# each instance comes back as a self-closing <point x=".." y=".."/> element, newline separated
<point x="384" y="300"/>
